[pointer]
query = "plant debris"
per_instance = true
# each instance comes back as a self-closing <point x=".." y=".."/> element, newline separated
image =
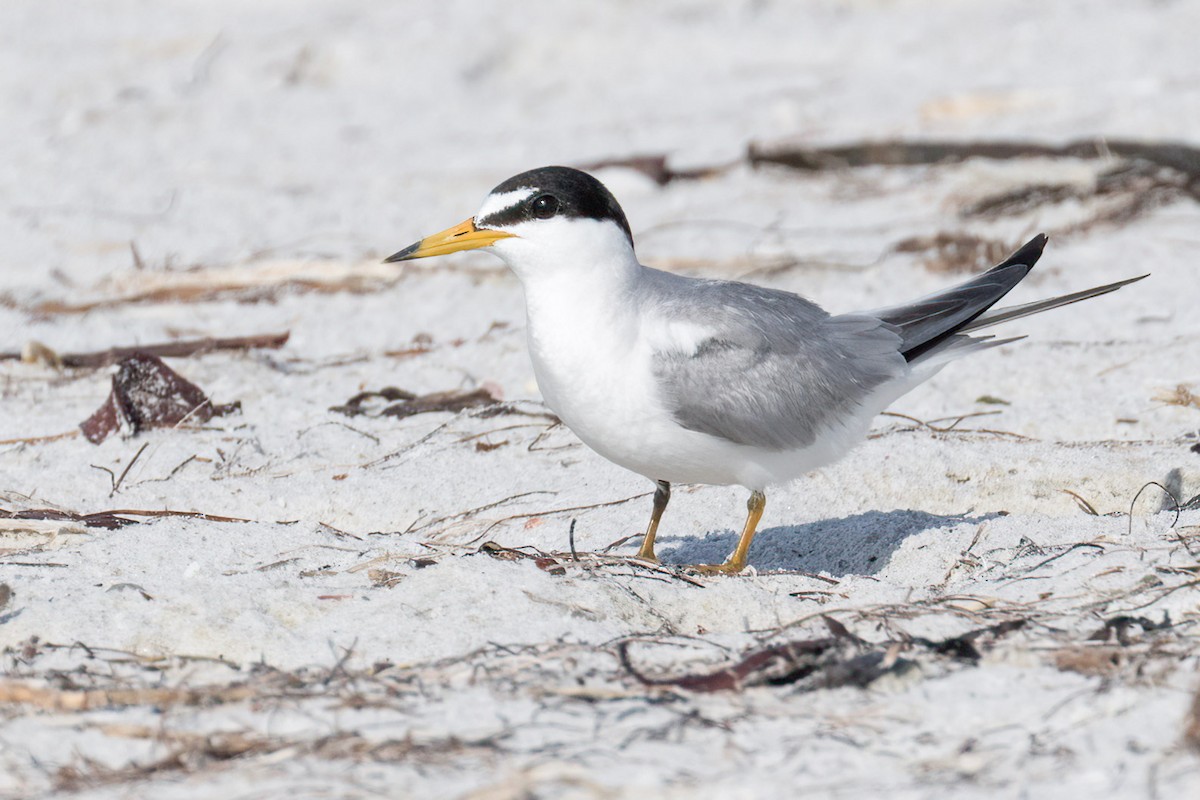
<point x="656" y="168"/>
<point x="111" y="520"/>
<point x="956" y="252"/>
<point x="842" y="659"/>
<point x="101" y="519"/>
<point x="54" y="699"/>
<point x="542" y="561"/>
<point x="824" y="663"/>
<point x="38" y="352"/>
<point x="1119" y="627"/>
<point x="777" y="665"/>
<point x="963" y="647"/>
<point x="1182" y="395"/>
<point x="1180" y="158"/>
<point x="1145" y="175"/>
<point x="402" y="403"/>
<point x="146" y="393"/>
<point x="1096" y="662"/>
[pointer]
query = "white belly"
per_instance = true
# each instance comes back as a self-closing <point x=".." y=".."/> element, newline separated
<point x="604" y="390"/>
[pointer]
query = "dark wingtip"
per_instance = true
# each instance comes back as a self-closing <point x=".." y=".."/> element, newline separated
<point x="403" y="254"/>
<point x="1028" y="254"/>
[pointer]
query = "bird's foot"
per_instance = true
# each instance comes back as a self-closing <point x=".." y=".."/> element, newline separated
<point x="728" y="568"/>
<point x="647" y="556"/>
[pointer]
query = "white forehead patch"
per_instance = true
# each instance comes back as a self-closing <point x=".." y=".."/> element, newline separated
<point x="494" y="203"/>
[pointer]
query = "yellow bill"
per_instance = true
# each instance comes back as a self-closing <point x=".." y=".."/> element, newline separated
<point x="464" y="236"/>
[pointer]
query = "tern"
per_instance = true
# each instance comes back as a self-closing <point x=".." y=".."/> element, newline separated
<point x="687" y="380"/>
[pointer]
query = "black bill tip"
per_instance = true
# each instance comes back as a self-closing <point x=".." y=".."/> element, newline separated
<point x="404" y="254"/>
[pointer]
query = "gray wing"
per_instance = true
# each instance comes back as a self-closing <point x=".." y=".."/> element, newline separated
<point x="775" y="369"/>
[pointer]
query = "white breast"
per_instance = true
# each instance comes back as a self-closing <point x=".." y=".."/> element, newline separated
<point x="592" y="359"/>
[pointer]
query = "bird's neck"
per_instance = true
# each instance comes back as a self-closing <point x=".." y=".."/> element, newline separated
<point x="598" y="295"/>
<point x="578" y="325"/>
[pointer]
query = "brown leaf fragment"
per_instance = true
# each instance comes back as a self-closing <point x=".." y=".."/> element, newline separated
<point x="402" y="403"/>
<point x="550" y="565"/>
<point x="146" y="393"/>
<point x="100" y="425"/>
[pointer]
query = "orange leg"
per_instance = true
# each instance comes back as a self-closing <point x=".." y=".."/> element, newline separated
<point x="737" y="560"/>
<point x="662" y="496"/>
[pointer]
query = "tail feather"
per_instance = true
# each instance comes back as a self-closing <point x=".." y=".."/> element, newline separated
<point x="1016" y="312"/>
<point x="956" y="347"/>
<point x="935" y="325"/>
<point x="926" y="323"/>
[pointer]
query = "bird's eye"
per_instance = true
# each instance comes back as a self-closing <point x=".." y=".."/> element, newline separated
<point x="544" y="206"/>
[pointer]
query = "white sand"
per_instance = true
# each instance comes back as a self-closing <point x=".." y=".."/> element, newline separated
<point x="291" y="145"/>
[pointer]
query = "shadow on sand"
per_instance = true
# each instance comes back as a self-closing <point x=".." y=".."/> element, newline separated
<point x="858" y="545"/>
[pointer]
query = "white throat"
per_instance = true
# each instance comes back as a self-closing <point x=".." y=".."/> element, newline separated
<point x="581" y="279"/>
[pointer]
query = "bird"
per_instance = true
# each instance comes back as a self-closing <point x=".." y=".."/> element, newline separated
<point x="690" y="380"/>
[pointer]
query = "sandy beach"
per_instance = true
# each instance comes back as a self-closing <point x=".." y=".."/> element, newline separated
<point x="995" y="595"/>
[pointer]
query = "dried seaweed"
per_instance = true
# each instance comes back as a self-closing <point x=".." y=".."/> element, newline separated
<point x="1178" y="157"/>
<point x="146" y="393"/>
<point x="656" y="168"/>
<point x="102" y="519"/>
<point x="1146" y="175"/>
<point x="111" y="520"/>
<point x="1120" y="626"/>
<point x="842" y="659"/>
<point x="35" y="351"/>
<point x="776" y="665"/>
<point x="1024" y="199"/>
<point x="1139" y="187"/>
<point x="964" y="647"/>
<point x="956" y="252"/>
<point x="402" y="403"/>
